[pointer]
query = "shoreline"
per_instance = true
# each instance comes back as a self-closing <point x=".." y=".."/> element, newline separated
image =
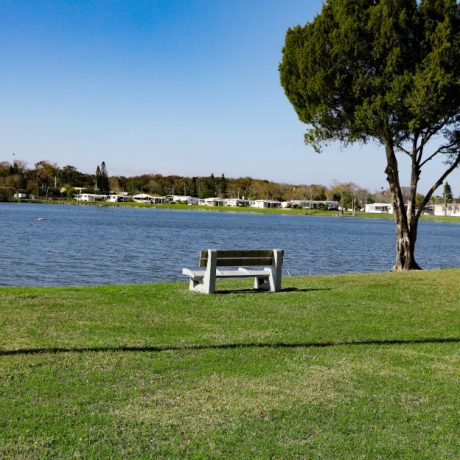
<point x="279" y="211"/>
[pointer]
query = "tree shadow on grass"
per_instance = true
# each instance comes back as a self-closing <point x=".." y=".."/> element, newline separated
<point x="229" y="346"/>
<point x="255" y="291"/>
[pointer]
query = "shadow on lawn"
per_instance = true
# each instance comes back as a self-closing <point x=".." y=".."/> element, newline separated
<point x="255" y="291"/>
<point x="227" y="346"/>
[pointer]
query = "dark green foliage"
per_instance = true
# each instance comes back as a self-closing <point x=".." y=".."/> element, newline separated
<point x="105" y="183"/>
<point x="70" y="175"/>
<point x="447" y="193"/>
<point x="366" y="69"/>
<point x="193" y="187"/>
<point x="102" y="179"/>
<point x="223" y="186"/>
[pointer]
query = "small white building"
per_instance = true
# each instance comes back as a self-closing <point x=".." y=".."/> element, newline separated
<point x="264" y="204"/>
<point x="20" y="195"/>
<point x="119" y="198"/>
<point x="158" y="200"/>
<point x="452" y="209"/>
<point x="379" y="208"/>
<point x="177" y="199"/>
<point x="91" y="197"/>
<point x="142" y="198"/>
<point x="193" y="201"/>
<point x="330" y="205"/>
<point x="300" y="203"/>
<point x="236" y="202"/>
<point x="213" y="201"/>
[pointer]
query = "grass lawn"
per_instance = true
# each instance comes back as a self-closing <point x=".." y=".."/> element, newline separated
<point x="349" y="366"/>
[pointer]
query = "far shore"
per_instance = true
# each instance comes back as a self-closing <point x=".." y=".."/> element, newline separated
<point x="282" y="211"/>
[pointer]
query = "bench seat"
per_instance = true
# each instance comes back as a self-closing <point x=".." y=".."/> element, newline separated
<point x="241" y="272"/>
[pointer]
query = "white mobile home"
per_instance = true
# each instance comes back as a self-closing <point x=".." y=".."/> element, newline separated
<point x="178" y="199"/>
<point x="452" y="209"/>
<point x="119" y="198"/>
<point x="91" y="197"/>
<point x="214" y="201"/>
<point x="265" y="204"/>
<point x="330" y="205"/>
<point x="379" y="208"/>
<point x="291" y="204"/>
<point x="236" y="202"/>
<point x="20" y="195"/>
<point x="142" y="198"/>
<point x="193" y="201"/>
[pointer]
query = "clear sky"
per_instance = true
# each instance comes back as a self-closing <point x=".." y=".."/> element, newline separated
<point x="186" y="87"/>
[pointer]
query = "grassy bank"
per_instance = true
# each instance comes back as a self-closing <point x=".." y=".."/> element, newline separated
<point x="298" y="212"/>
<point x="356" y="366"/>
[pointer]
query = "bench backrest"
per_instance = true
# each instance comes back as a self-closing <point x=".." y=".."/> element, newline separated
<point x="239" y="257"/>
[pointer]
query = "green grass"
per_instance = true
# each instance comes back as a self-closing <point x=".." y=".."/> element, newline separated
<point x="351" y="366"/>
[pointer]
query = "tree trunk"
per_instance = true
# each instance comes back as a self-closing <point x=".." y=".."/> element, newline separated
<point x="405" y="219"/>
<point x="405" y="248"/>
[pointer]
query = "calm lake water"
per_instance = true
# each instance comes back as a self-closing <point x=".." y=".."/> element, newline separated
<point x="52" y="245"/>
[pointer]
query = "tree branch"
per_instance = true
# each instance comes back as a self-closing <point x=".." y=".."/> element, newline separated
<point x="436" y="185"/>
<point x="402" y="149"/>
<point x="439" y="150"/>
<point x="430" y="133"/>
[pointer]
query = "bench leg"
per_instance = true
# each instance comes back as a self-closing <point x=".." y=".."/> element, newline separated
<point x="199" y="286"/>
<point x="209" y="280"/>
<point x="275" y="269"/>
<point x="261" y="284"/>
<point x="194" y="284"/>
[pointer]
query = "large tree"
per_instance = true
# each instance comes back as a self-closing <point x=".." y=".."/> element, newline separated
<point x="388" y="71"/>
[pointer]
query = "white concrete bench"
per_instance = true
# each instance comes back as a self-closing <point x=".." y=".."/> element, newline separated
<point x="267" y="275"/>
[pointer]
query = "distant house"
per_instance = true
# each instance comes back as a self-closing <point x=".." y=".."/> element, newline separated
<point x="158" y="200"/>
<point x="452" y="209"/>
<point x="287" y="204"/>
<point x="20" y="195"/>
<point x="91" y="197"/>
<point x="119" y="198"/>
<point x="294" y="204"/>
<point x="379" y="208"/>
<point x="178" y="199"/>
<point x="214" y="201"/>
<point x="193" y="201"/>
<point x="330" y="205"/>
<point x="265" y="204"/>
<point x="142" y="198"/>
<point x="236" y="202"/>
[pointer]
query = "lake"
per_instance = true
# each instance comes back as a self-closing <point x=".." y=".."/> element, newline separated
<point x="56" y="245"/>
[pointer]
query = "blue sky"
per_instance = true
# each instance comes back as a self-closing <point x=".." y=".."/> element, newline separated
<point x="163" y="86"/>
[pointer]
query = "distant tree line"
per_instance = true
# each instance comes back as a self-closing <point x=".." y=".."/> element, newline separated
<point x="48" y="180"/>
